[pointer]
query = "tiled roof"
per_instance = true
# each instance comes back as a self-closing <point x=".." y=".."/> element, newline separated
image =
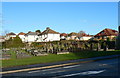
<point x="1" y="37"/>
<point x="73" y="34"/>
<point x="11" y="33"/>
<point x="63" y="34"/>
<point x="48" y="30"/>
<point x="107" y="32"/>
<point x="84" y="35"/>
<point x="21" y="33"/>
<point x="31" y="33"/>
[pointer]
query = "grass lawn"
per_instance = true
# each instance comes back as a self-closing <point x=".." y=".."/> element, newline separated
<point x="55" y="58"/>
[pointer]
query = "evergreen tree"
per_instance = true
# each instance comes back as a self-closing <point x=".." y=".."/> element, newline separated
<point x="13" y="43"/>
<point x="17" y="42"/>
<point x="38" y="31"/>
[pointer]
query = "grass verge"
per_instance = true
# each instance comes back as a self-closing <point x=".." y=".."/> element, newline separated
<point x="55" y="58"/>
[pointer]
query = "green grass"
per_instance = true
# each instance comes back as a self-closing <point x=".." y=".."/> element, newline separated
<point x="55" y="58"/>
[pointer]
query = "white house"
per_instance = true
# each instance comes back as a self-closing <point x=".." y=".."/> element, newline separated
<point x="31" y="37"/>
<point x="83" y="37"/>
<point x="63" y="36"/>
<point x="72" y="36"/>
<point x="10" y="35"/>
<point x="49" y="35"/>
<point x="22" y="36"/>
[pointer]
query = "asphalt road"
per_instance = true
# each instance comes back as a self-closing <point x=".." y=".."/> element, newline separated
<point x="102" y="68"/>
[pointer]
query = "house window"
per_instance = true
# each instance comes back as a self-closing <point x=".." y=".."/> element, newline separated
<point x="102" y="33"/>
<point x="36" y="38"/>
<point x="98" y="37"/>
<point x="102" y="37"/>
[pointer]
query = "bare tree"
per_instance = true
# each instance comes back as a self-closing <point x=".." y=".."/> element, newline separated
<point x="5" y="32"/>
<point x="80" y="34"/>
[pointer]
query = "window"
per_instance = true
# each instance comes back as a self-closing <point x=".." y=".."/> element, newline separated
<point x="102" y="33"/>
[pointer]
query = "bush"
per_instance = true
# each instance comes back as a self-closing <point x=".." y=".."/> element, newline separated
<point x="13" y="43"/>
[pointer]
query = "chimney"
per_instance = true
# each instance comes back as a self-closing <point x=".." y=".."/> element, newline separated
<point x="47" y="28"/>
<point x="29" y="31"/>
<point x="119" y="29"/>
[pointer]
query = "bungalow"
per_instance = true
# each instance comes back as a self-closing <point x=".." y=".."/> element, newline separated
<point x="22" y="36"/>
<point x="10" y="35"/>
<point x="84" y="37"/>
<point x="72" y="36"/>
<point x="31" y="37"/>
<point x="63" y="36"/>
<point x="106" y="33"/>
<point x="49" y="35"/>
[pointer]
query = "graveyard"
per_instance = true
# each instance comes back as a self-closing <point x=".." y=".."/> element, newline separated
<point x="16" y="53"/>
<point x="56" y="51"/>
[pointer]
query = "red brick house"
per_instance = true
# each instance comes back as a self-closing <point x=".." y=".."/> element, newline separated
<point x="106" y="33"/>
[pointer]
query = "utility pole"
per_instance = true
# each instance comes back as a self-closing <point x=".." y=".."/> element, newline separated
<point x="117" y="43"/>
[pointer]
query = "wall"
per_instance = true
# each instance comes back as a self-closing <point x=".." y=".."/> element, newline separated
<point x="85" y="38"/>
<point x="49" y="37"/>
<point x="9" y="36"/>
<point x="53" y="37"/>
<point x="31" y="38"/>
<point x="22" y="37"/>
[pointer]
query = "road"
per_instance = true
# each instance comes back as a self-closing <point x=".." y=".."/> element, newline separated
<point x="103" y="68"/>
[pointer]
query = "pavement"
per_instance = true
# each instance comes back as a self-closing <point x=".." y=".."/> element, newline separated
<point x="106" y="66"/>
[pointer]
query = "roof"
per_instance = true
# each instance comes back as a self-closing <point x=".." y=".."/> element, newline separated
<point x="63" y="34"/>
<point x="84" y="35"/>
<point x="31" y="33"/>
<point x="21" y="33"/>
<point x="48" y="30"/>
<point x="73" y="34"/>
<point x="107" y="32"/>
<point x="11" y="33"/>
<point x="1" y="37"/>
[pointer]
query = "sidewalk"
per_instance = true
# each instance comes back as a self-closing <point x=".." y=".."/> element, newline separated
<point x="62" y="62"/>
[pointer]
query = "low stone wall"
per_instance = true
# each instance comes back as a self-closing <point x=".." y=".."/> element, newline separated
<point x="62" y="52"/>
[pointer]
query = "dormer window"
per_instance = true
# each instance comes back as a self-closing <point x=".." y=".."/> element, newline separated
<point x="102" y="33"/>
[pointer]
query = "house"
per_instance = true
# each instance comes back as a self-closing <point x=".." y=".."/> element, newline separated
<point x="83" y="36"/>
<point x="49" y="35"/>
<point x="31" y="37"/>
<point x="63" y="36"/>
<point x="106" y="33"/>
<point x="2" y="39"/>
<point x="10" y="35"/>
<point x="22" y="36"/>
<point x="72" y="36"/>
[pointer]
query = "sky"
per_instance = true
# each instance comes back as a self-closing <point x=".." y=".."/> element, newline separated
<point x="60" y="0"/>
<point x="63" y="17"/>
